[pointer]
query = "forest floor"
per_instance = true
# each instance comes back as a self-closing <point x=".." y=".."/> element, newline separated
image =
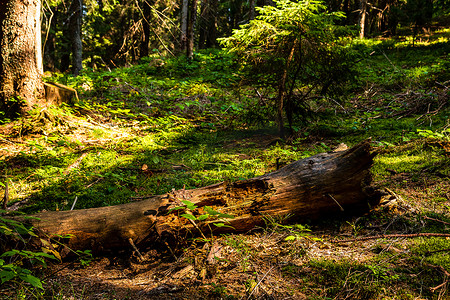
<point x="133" y="125"/>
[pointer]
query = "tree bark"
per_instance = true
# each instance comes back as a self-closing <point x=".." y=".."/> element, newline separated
<point x="362" y="17"/>
<point x="252" y="13"/>
<point x="191" y="29"/>
<point x="75" y="19"/>
<point x="211" y="37"/>
<point x="146" y="16"/>
<point x="282" y="90"/>
<point x="20" y="55"/>
<point x="205" y="14"/>
<point x="184" y="25"/>
<point x="308" y="189"/>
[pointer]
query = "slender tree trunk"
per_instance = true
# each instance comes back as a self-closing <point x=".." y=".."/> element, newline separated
<point x="345" y="9"/>
<point x="252" y="12"/>
<point x="211" y="38"/>
<point x="203" y="23"/>
<point x="49" y="47"/>
<point x="75" y="18"/>
<point x="147" y="14"/>
<point x="362" y="17"/>
<point x="191" y="29"/>
<point x="282" y="91"/>
<point x="184" y="24"/>
<point x="20" y="55"/>
<point x="207" y="31"/>
<point x="65" y="42"/>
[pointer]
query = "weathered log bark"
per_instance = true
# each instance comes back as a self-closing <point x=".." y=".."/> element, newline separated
<point x="307" y="189"/>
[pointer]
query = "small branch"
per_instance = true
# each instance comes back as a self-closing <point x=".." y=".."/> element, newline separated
<point x="92" y="183"/>
<point x="75" y="164"/>
<point x="130" y="240"/>
<point x="74" y="202"/>
<point x="433" y="289"/>
<point x="436" y="220"/>
<point x="259" y="282"/>
<point x="342" y="209"/>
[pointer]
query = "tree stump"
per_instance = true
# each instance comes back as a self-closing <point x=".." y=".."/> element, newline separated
<point x="57" y="93"/>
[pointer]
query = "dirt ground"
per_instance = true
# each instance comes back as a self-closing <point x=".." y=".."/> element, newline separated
<point x="254" y="265"/>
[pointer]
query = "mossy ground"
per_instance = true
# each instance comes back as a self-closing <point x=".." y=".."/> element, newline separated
<point x="168" y="124"/>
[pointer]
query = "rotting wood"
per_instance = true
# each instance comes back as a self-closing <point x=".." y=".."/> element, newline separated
<point x="307" y="189"/>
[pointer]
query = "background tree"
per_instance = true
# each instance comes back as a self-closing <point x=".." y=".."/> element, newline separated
<point x="362" y="17"/>
<point x="184" y="25"/>
<point x="191" y="28"/>
<point x="208" y="24"/>
<point x="291" y="47"/>
<point x="118" y="32"/>
<point x="74" y="29"/>
<point x="146" y="23"/>
<point x="20" y="55"/>
<point x="419" y="13"/>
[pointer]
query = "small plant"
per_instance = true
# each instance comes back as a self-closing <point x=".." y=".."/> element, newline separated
<point x="242" y="249"/>
<point x="295" y="232"/>
<point x="19" y="266"/>
<point x="192" y="214"/>
<point x="443" y="135"/>
<point x="85" y="257"/>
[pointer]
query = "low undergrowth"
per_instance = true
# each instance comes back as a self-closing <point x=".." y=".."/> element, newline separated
<point x="170" y="124"/>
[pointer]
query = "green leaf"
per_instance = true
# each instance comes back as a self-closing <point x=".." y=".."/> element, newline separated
<point x="189" y="204"/>
<point x="34" y="281"/>
<point x="46" y="255"/>
<point x="203" y="217"/>
<point x="290" y="238"/>
<point x="222" y="225"/>
<point x="211" y="211"/>
<point x="176" y="208"/>
<point x="7" y="275"/>
<point x="227" y="216"/>
<point x="190" y="217"/>
<point x="10" y="253"/>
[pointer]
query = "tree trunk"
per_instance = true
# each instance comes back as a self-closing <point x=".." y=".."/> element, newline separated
<point x="282" y="90"/>
<point x="205" y="14"/>
<point x="252" y="12"/>
<point x="75" y="18"/>
<point x="20" y="55"/>
<point x="362" y="17"/>
<point x="312" y="188"/>
<point x="345" y="9"/>
<point x="146" y="16"/>
<point x="184" y="24"/>
<point x="211" y="38"/>
<point x="191" y="29"/>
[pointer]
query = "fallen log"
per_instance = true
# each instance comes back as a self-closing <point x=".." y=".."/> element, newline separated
<point x="308" y="189"/>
